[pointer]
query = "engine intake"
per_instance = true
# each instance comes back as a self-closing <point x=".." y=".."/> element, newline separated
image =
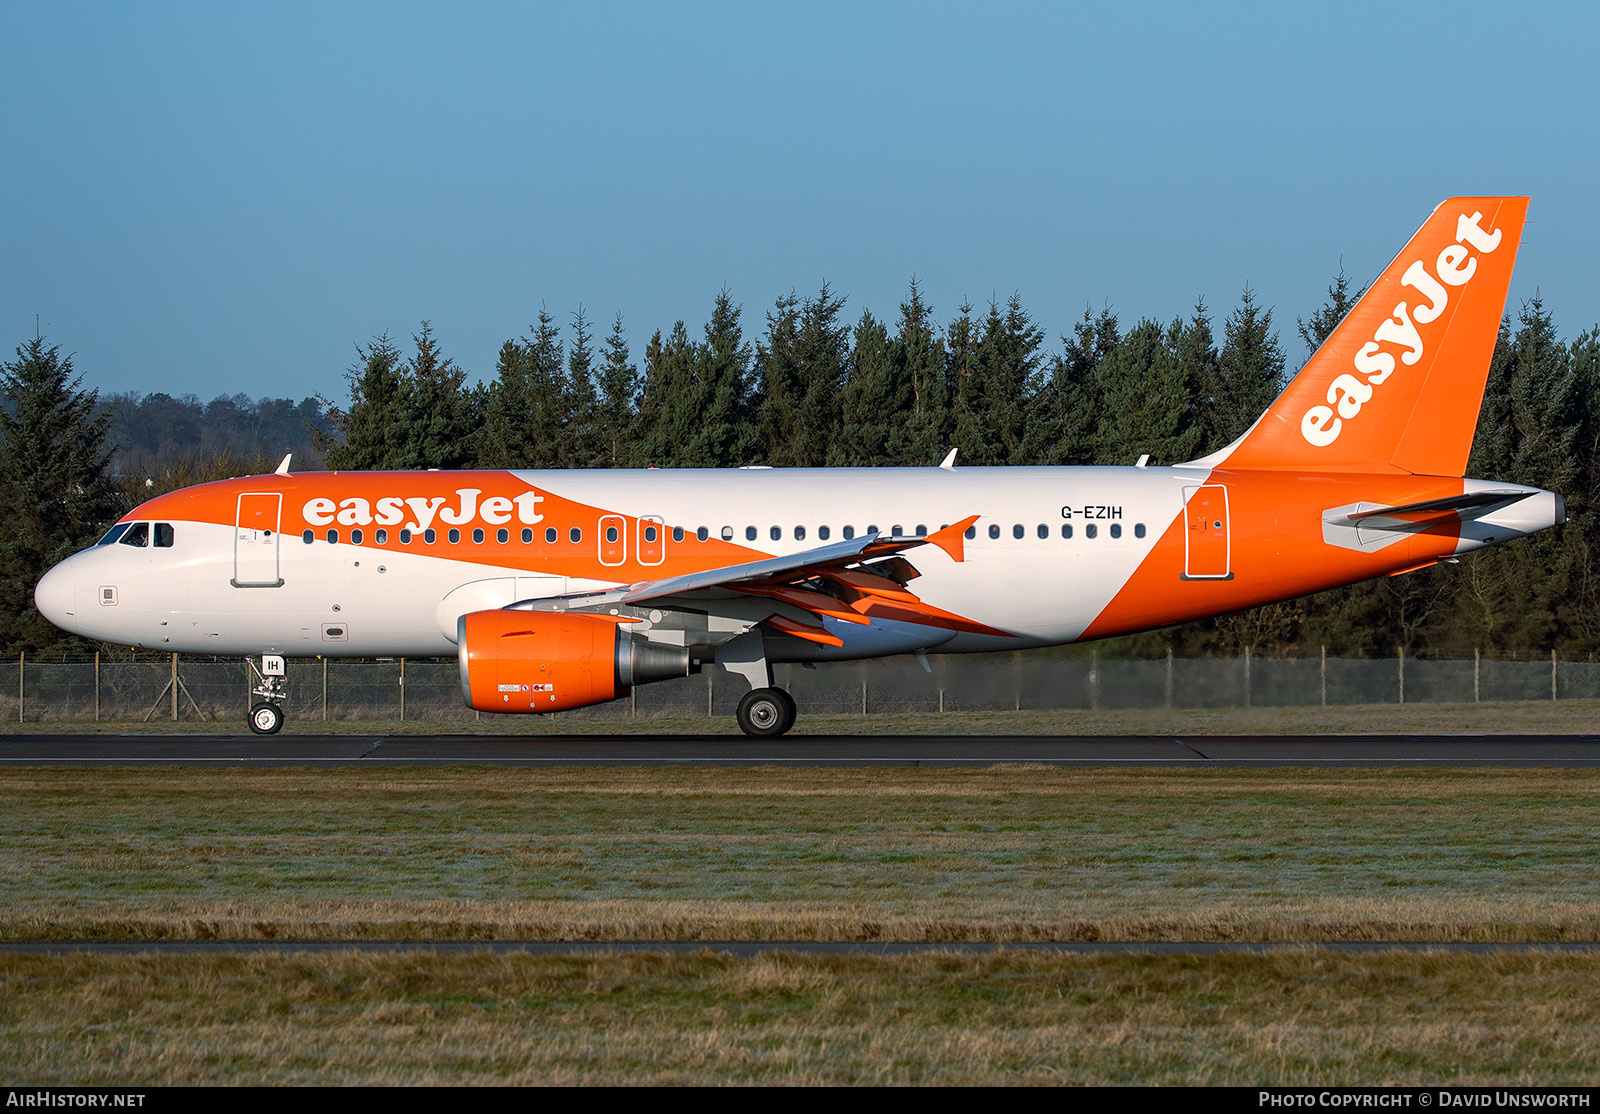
<point x="548" y="661"/>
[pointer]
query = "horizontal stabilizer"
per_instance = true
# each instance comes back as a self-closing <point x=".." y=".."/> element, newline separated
<point x="1466" y="507"/>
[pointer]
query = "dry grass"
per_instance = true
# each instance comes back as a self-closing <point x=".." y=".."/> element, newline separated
<point x="1298" y="1018"/>
<point x="1009" y="853"/>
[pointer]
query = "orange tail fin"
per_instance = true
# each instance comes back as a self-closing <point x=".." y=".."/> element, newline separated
<point x="1398" y="384"/>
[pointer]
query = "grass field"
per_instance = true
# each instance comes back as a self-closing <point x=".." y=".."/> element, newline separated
<point x="1296" y="1018"/>
<point x="1009" y="853"/>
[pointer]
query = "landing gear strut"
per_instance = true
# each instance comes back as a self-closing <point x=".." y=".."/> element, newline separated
<point x="766" y="713"/>
<point x="266" y="716"/>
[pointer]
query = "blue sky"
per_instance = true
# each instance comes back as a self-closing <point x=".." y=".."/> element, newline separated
<point x="227" y="198"/>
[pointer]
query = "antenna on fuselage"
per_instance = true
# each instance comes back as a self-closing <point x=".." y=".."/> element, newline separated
<point x="283" y="467"/>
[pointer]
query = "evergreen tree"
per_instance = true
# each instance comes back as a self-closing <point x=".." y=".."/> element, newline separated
<point x="921" y="438"/>
<point x="53" y="482"/>
<point x="1196" y="350"/>
<point x="438" y="418"/>
<point x="1249" y="373"/>
<point x="875" y="400"/>
<point x="580" y="446"/>
<point x="374" y="429"/>
<point x="1322" y="323"/>
<point x="1147" y="399"/>
<point x="991" y="406"/>
<point x="619" y="388"/>
<point x="525" y="411"/>
<point x="1063" y="427"/>
<point x="823" y="350"/>
<point x="722" y="378"/>
<point x="780" y="390"/>
<point x="669" y="404"/>
<point x="802" y="363"/>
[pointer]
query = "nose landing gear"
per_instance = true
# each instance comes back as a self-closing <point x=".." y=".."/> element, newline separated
<point x="266" y="716"/>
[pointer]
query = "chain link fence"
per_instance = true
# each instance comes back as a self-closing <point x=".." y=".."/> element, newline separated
<point x="429" y="692"/>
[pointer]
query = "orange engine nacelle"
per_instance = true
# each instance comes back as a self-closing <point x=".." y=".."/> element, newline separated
<point x="548" y="661"/>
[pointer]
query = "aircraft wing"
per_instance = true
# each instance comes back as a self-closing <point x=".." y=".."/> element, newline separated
<point x="802" y="565"/>
<point x="854" y="581"/>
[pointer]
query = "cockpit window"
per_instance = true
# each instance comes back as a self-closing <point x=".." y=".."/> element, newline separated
<point x="163" y="535"/>
<point x="114" y="533"/>
<point x="138" y="534"/>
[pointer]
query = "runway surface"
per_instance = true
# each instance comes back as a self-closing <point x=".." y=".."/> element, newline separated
<point x="814" y="750"/>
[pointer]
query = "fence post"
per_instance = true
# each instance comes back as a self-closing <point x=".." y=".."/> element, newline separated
<point x="1324" y="676"/>
<point x="97" y="686"/>
<point x="1247" y="676"/>
<point x="863" y="696"/>
<point x="710" y="675"/>
<point x="22" y="692"/>
<point x="1476" y="656"/>
<point x="174" y="688"/>
<point x="324" y="690"/>
<point x="1402" y="659"/>
<point x="1552" y="674"/>
<point x="1169" y="676"/>
<point x="402" y="690"/>
<point x="1094" y="679"/>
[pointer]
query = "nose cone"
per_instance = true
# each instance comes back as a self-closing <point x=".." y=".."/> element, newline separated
<point x="56" y="595"/>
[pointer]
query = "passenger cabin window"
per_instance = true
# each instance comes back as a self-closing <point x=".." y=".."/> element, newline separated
<point x="727" y="533"/>
<point x="355" y="537"/>
<point x="749" y="533"/>
<point x="405" y="537"/>
<point x="430" y="536"/>
<point x="454" y="536"/>
<point x="527" y="535"/>
<point x="799" y="533"/>
<point x="849" y="532"/>
<point x="502" y="535"/>
<point x="776" y="533"/>
<point x="576" y="534"/>
<point x="1116" y="529"/>
<point x="381" y="537"/>
<point x="702" y="534"/>
<point x="1044" y="531"/>
<point x="677" y="534"/>
<point x="1090" y="530"/>
<point x="1066" y="530"/>
<point x="994" y="531"/>
<point x="822" y="533"/>
<point x="138" y="534"/>
<point x="307" y="536"/>
<point x="1017" y="531"/>
<point x="333" y="537"/>
<point x="972" y="532"/>
<point x="922" y="531"/>
<point x="549" y="535"/>
<point x="1138" y="529"/>
<point x="477" y="536"/>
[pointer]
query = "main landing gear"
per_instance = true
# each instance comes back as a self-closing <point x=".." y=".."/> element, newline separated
<point x="266" y="716"/>
<point x="766" y="713"/>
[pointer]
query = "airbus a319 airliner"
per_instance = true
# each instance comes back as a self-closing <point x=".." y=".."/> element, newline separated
<point x="559" y="589"/>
